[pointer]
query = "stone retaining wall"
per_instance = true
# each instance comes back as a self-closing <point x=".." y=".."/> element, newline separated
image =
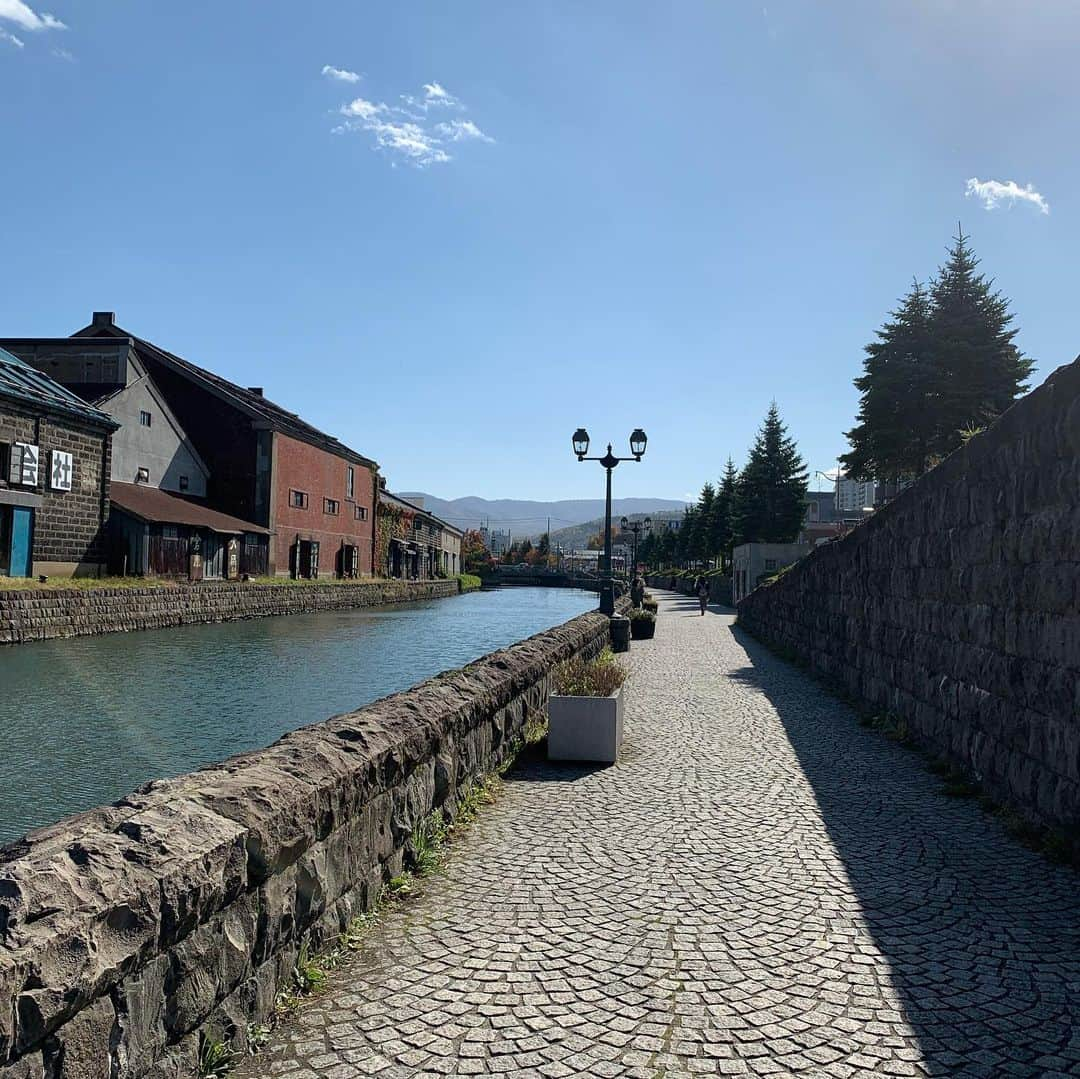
<point x="957" y="607"/>
<point x="130" y="933"/>
<point x="39" y="614"/>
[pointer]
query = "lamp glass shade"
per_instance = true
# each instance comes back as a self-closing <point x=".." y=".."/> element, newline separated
<point x="624" y="523"/>
<point x="581" y="442"/>
<point x="647" y="522"/>
<point x="638" y="441"/>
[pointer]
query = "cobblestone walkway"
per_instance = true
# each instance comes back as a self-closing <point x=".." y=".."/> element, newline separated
<point x="759" y="887"/>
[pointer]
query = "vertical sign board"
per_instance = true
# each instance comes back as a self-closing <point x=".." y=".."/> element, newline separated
<point x="24" y="464"/>
<point x="61" y="470"/>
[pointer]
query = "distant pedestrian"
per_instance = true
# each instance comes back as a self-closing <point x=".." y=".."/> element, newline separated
<point x="637" y="591"/>
<point x="701" y="587"/>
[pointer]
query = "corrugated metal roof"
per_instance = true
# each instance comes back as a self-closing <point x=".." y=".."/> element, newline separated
<point x="20" y="382"/>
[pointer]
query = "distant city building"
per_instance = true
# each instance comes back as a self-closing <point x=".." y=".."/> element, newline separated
<point x="854" y="494"/>
<point x="498" y="543"/>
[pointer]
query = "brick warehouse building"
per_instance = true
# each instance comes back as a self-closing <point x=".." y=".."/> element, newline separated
<point x="54" y="476"/>
<point x="266" y="465"/>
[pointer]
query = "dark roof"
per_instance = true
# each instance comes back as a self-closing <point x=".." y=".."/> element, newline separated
<point x="161" y="507"/>
<point x="250" y="402"/>
<point x="20" y="382"/>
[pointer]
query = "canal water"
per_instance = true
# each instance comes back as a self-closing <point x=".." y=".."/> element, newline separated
<point x="85" y="721"/>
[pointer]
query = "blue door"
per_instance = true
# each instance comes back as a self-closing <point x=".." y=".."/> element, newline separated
<point x="22" y="520"/>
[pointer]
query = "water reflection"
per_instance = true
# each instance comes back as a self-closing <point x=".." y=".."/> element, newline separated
<point x="85" y="721"/>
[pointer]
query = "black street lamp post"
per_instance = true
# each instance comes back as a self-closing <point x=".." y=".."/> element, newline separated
<point x="608" y="462"/>
<point x="635" y="529"/>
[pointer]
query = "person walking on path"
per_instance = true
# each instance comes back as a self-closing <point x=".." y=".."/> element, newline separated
<point x="701" y="587"/>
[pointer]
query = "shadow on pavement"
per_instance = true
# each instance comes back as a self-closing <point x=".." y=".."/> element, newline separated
<point x="982" y="935"/>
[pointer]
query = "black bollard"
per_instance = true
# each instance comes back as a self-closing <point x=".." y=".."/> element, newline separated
<point x="620" y="634"/>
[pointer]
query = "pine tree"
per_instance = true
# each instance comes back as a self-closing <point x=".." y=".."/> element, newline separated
<point x="978" y="370"/>
<point x="895" y="428"/>
<point x="770" y="500"/>
<point x="722" y="529"/>
<point x="701" y="549"/>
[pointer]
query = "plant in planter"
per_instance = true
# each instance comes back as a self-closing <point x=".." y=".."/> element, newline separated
<point x="585" y="709"/>
<point x="642" y="624"/>
<point x="649" y="604"/>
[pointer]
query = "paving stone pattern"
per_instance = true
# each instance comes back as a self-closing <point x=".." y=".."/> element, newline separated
<point x="759" y="887"/>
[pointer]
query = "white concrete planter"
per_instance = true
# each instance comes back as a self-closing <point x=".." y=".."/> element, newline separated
<point x="585" y="728"/>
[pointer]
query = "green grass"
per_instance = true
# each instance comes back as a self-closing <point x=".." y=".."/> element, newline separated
<point x="216" y="1059"/>
<point x="84" y="584"/>
<point x="469" y="582"/>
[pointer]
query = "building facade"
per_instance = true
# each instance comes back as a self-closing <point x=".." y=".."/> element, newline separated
<point x="451" y="538"/>
<point x="309" y="494"/>
<point x="54" y="476"/>
<point x="754" y="562"/>
<point x="160" y="523"/>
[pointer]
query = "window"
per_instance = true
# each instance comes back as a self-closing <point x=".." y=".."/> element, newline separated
<point x="144" y="418"/>
<point x="142" y="475"/>
<point x="350" y="483"/>
<point x="360" y="513"/>
<point x="183" y="483"/>
<point x="298" y="500"/>
<point x="331" y="506"/>
<point x="770" y="563"/>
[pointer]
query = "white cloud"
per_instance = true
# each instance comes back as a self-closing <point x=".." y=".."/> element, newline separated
<point x="340" y="74"/>
<point x="63" y="54"/>
<point x="404" y="133"/>
<point x="17" y="12"/>
<point x="11" y="39"/>
<point x="364" y="110"/>
<point x="459" y="130"/>
<point x="994" y="192"/>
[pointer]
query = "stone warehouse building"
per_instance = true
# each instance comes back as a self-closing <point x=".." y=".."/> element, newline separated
<point x="54" y="476"/>
<point x="415" y="544"/>
<point x="262" y="465"/>
<point x="159" y="522"/>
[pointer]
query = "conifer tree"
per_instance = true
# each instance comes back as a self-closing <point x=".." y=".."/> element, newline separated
<point x="770" y="501"/>
<point x="895" y="429"/>
<point x="724" y="508"/>
<point x="701" y="541"/>
<point x="978" y="370"/>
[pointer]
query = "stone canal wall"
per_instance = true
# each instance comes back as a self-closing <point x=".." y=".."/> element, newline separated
<point x="957" y="606"/>
<point x="39" y="614"/>
<point x="131" y="933"/>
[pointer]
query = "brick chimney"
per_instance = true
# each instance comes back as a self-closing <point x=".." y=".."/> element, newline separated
<point x="103" y="318"/>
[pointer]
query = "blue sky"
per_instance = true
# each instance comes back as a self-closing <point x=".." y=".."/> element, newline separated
<point x="607" y="213"/>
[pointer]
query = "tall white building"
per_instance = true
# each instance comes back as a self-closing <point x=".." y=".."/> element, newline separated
<point x="854" y="495"/>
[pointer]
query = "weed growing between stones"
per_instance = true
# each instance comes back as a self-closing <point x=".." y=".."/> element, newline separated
<point x="216" y="1060"/>
<point x="311" y="974"/>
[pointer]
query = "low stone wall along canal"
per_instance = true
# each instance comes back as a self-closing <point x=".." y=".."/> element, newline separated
<point x="39" y="614"/>
<point x="132" y="933"/>
<point x="85" y="721"/>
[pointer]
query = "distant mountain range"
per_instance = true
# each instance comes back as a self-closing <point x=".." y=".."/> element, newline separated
<point x="522" y="518"/>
